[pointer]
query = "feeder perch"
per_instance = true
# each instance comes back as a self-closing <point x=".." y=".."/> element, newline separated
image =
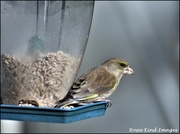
<point x="53" y="115"/>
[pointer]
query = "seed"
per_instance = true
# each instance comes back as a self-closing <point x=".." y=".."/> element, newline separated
<point x="45" y="80"/>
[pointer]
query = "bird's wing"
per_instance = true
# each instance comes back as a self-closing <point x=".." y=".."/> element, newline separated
<point x="97" y="82"/>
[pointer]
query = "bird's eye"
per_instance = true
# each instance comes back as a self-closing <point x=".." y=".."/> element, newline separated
<point x="123" y="65"/>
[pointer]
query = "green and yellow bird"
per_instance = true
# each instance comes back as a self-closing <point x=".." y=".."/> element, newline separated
<point x="97" y="84"/>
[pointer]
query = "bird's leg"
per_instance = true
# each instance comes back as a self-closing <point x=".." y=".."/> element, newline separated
<point x="28" y="103"/>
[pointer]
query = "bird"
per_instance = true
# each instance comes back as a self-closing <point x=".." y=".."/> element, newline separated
<point x="97" y="84"/>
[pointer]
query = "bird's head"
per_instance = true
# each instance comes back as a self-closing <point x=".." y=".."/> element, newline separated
<point x="119" y="66"/>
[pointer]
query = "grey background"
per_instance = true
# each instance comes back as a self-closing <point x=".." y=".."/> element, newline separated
<point x="146" y="34"/>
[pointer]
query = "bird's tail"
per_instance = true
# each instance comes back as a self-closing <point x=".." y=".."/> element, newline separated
<point x="66" y="103"/>
<point x="79" y="101"/>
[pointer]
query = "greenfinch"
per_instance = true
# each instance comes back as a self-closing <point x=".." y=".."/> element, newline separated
<point x="97" y="84"/>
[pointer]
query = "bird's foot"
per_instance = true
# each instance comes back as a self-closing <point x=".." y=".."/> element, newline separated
<point x="28" y="103"/>
<point x="109" y="102"/>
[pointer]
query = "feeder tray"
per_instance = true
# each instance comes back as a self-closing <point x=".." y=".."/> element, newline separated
<point x="53" y="115"/>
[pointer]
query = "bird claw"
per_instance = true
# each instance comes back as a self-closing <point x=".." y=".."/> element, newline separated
<point x="109" y="103"/>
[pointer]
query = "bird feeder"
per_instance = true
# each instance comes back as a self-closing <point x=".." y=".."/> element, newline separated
<point x="42" y="46"/>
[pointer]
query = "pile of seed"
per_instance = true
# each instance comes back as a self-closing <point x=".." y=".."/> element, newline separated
<point x="45" y="80"/>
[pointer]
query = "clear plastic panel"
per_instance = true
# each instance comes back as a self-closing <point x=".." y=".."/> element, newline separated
<point x="42" y="46"/>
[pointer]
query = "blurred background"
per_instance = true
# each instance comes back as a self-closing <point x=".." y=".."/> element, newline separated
<point x="146" y="34"/>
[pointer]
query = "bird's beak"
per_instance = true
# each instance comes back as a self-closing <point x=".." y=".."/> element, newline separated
<point x="128" y="70"/>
